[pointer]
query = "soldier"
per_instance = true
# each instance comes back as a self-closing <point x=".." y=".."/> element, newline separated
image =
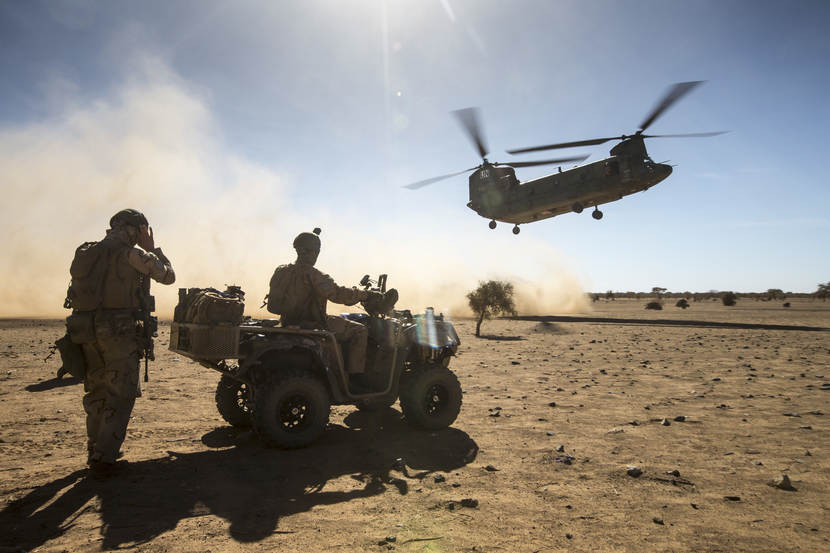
<point x="299" y="292"/>
<point x="109" y="296"/>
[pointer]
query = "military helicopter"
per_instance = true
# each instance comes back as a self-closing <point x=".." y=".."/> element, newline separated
<point x="496" y="193"/>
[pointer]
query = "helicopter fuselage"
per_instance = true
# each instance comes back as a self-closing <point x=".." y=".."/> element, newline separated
<point x="496" y="193"/>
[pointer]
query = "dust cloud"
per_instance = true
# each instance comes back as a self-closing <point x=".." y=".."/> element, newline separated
<point x="153" y="145"/>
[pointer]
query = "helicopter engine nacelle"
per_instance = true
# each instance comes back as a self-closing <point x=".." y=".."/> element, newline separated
<point x="633" y="146"/>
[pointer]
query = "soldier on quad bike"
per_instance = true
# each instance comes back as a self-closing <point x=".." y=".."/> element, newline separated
<point x="298" y="293"/>
<point x="283" y="380"/>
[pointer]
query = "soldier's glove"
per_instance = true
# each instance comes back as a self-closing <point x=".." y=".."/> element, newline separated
<point x="382" y="302"/>
<point x="390" y="298"/>
<point x="375" y="302"/>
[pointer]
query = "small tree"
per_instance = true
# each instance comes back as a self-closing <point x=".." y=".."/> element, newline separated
<point x="658" y="291"/>
<point x="491" y="298"/>
<point x="682" y="303"/>
<point x="823" y="291"/>
<point x="729" y="298"/>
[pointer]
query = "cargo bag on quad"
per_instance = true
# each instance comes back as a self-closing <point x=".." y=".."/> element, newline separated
<point x="208" y="322"/>
<point x="210" y="306"/>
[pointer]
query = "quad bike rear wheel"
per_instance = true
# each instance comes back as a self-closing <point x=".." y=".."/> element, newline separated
<point x="430" y="397"/>
<point x="292" y="410"/>
<point x="233" y="402"/>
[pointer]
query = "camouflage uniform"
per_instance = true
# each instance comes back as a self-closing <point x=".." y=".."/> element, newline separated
<point x="112" y="376"/>
<point x="311" y="289"/>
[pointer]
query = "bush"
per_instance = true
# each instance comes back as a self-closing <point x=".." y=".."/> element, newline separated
<point x="654" y="305"/>
<point x="729" y="298"/>
<point x="682" y="303"/>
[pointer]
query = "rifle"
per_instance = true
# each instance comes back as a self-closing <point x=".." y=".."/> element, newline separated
<point x="149" y="323"/>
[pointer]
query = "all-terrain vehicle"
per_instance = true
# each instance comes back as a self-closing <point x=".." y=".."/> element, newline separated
<point x="282" y="380"/>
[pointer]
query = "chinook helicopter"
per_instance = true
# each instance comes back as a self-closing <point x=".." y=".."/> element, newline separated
<point x="496" y="193"/>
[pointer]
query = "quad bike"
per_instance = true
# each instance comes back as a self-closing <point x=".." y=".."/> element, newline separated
<point x="283" y="380"/>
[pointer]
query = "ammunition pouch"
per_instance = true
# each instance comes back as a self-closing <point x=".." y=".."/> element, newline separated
<point x="72" y="357"/>
<point x="80" y="327"/>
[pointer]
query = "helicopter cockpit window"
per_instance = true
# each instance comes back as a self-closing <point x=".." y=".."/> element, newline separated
<point x="612" y="168"/>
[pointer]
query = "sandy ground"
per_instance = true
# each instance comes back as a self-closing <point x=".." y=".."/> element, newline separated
<point x="555" y="409"/>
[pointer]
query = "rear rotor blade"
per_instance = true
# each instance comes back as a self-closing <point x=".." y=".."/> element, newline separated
<point x="591" y="142"/>
<point x="545" y="161"/>
<point x="716" y="133"/>
<point x="469" y="119"/>
<point x="674" y="94"/>
<point x="425" y="182"/>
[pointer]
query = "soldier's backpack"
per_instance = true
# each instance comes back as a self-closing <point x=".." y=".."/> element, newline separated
<point x="282" y="298"/>
<point x="88" y="271"/>
<point x="276" y="300"/>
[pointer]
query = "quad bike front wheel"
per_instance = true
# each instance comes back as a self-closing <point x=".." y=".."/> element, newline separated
<point x="430" y="397"/>
<point x="233" y="402"/>
<point x="292" y="410"/>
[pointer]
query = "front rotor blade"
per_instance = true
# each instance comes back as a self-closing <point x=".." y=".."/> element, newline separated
<point x="469" y="119"/>
<point x="425" y="182"/>
<point x="716" y="133"/>
<point x="591" y="142"/>
<point x="674" y="94"/>
<point x="545" y="161"/>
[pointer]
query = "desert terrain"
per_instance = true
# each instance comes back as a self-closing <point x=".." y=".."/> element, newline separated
<point x="711" y="404"/>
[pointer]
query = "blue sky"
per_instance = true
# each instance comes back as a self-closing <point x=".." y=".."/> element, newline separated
<point x="341" y="103"/>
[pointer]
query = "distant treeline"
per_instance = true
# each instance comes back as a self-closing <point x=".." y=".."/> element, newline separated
<point x="772" y="294"/>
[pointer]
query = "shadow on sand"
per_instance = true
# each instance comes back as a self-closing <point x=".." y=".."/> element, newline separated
<point x="250" y="486"/>
<point x="53" y="383"/>
<point x="500" y="338"/>
<point x="664" y="322"/>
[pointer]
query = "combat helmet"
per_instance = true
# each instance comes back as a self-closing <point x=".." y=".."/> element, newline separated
<point x="128" y="217"/>
<point x="308" y="240"/>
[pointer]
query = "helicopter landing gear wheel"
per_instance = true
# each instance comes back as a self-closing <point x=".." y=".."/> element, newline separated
<point x="492" y="224"/>
<point x="516" y="229"/>
<point x="597" y="214"/>
<point x="577" y="207"/>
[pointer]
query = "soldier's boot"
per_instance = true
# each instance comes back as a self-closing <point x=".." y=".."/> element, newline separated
<point x="91" y="457"/>
<point x="104" y="469"/>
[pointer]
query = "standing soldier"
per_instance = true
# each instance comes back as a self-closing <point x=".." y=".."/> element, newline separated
<point x="111" y="304"/>
<point x="299" y="292"/>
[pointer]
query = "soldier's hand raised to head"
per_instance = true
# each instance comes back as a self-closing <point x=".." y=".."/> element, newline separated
<point x="145" y="237"/>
